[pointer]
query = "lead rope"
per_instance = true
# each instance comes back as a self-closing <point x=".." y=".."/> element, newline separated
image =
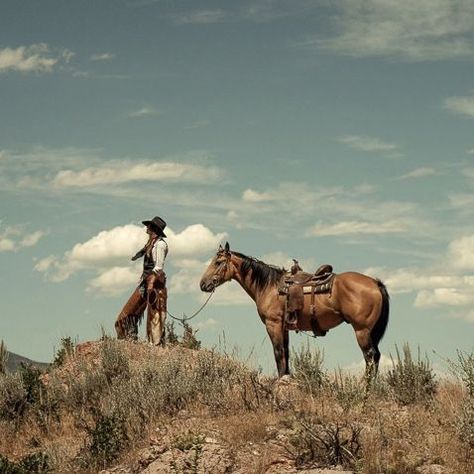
<point x="188" y="318"/>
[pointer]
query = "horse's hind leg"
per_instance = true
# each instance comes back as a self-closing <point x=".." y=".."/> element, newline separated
<point x="371" y="354"/>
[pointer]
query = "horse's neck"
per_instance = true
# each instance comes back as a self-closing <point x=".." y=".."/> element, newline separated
<point x="246" y="282"/>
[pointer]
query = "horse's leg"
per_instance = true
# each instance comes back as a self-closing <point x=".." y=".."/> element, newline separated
<point x="276" y="333"/>
<point x="286" y="342"/>
<point x="371" y="354"/>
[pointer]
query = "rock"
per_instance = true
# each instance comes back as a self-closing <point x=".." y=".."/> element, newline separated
<point x="433" y="469"/>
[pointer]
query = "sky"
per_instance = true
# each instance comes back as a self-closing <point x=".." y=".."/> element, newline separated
<point x="333" y="132"/>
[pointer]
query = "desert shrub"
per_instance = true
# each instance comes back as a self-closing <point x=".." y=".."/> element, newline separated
<point x="410" y="380"/>
<point x="37" y="463"/>
<point x="464" y="369"/>
<point x="188" y="440"/>
<point x="190" y="340"/>
<point x="465" y="422"/>
<point x="114" y="362"/>
<point x="3" y="358"/>
<point x="325" y="443"/>
<point x="308" y="369"/>
<point x="170" y="334"/>
<point x="13" y="397"/>
<point x="66" y="350"/>
<point x="31" y="379"/>
<point x="348" y="389"/>
<point x="86" y="392"/>
<point x="107" y="438"/>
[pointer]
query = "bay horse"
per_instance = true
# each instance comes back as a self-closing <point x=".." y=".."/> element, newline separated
<point x="355" y="298"/>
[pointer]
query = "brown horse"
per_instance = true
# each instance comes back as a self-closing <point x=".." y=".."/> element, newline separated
<point x="355" y="298"/>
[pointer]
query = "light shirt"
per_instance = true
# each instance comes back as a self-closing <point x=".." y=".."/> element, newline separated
<point x="159" y="252"/>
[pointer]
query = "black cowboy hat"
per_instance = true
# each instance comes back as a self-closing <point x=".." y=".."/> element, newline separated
<point x="157" y="224"/>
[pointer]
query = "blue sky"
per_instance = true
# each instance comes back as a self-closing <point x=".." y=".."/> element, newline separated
<point x="333" y="132"/>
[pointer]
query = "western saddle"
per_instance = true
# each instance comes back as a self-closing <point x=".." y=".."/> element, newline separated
<point x="295" y="284"/>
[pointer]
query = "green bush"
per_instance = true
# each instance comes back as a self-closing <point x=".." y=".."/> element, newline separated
<point x="308" y="369"/>
<point x="66" y="350"/>
<point x="31" y="378"/>
<point x="411" y="381"/>
<point x="348" y="389"/>
<point x="107" y="438"/>
<point x="114" y="362"/>
<point x="190" y="340"/>
<point x="13" y="397"/>
<point x="37" y="463"/>
<point x="464" y="369"/>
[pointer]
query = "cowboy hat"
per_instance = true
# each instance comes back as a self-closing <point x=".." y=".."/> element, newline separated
<point x="157" y="224"/>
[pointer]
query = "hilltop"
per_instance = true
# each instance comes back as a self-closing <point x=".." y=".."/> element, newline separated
<point x="122" y="407"/>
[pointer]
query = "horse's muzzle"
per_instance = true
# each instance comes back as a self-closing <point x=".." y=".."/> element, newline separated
<point x="207" y="286"/>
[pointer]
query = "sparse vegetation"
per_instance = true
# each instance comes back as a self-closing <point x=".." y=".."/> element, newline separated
<point x="105" y="403"/>
<point x="308" y="368"/>
<point x="66" y="350"/>
<point x="3" y="358"/>
<point x="411" y="380"/>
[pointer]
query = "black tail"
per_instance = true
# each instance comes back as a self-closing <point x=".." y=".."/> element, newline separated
<point x="379" y="329"/>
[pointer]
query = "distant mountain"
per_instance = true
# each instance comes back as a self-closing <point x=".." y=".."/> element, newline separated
<point x="14" y="361"/>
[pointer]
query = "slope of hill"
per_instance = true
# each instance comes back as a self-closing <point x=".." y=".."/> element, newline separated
<point x="14" y="361"/>
<point x="124" y="407"/>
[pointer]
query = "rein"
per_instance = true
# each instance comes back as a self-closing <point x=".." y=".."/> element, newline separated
<point x="187" y="318"/>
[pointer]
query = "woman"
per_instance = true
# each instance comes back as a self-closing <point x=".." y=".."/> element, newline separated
<point x="151" y="291"/>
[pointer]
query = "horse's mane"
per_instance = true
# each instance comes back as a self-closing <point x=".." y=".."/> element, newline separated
<point x="262" y="273"/>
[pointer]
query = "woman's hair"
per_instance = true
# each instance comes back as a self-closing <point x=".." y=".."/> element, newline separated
<point x="149" y="245"/>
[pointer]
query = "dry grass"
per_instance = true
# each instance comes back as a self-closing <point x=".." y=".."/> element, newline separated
<point x="109" y="400"/>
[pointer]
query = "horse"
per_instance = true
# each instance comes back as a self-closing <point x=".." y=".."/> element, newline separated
<point x="355" y="298"/>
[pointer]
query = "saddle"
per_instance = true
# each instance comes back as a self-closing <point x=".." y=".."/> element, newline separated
<point x="296" y="284"/>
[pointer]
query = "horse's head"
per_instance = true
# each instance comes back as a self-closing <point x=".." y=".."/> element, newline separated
<point x="219" y="270"/>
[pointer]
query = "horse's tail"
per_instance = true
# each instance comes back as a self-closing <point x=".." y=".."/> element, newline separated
<point x="379" y="329"/>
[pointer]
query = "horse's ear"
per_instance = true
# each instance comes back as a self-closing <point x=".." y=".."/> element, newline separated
<point x="227" y="247"/>
<point x="220" y="249"/>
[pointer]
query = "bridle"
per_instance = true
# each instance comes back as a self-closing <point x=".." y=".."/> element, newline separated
<point x="221" y="271"/>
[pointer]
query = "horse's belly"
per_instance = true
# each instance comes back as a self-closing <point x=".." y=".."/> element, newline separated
<point x="327" y="318"/>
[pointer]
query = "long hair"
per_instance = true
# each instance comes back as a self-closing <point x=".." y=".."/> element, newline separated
<point x="262" y="273"/>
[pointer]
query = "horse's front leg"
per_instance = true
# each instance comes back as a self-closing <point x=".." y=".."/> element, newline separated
<point x="277" y="336"/>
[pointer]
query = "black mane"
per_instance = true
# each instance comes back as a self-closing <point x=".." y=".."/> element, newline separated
<point x="262" y="273"/>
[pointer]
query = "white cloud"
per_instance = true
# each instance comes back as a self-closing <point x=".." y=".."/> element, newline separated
<point x="34" y="58"/>
<point x="460" y="105"/>
<point x="365" y="143"/>
<point x="461" y="253"/>
<point x="358" y="227"/>
<point x="254" y="196"/>
<point x="114" y="281"/>
<point x="14" y="238"/>
<point x="105" y="253"/>
<point x="144" y="112"/>
<point x="7" y="245"/>
<point x="419" y="173"/>
<point x="413" y="31"/>
<point x="201" y="17"/>
<point x="102" y="56"/>
<point x="198" y="124"/>
<point x="194" y="240"/>
<point x="443" y="296"/>
<point x="118" y="172"/>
